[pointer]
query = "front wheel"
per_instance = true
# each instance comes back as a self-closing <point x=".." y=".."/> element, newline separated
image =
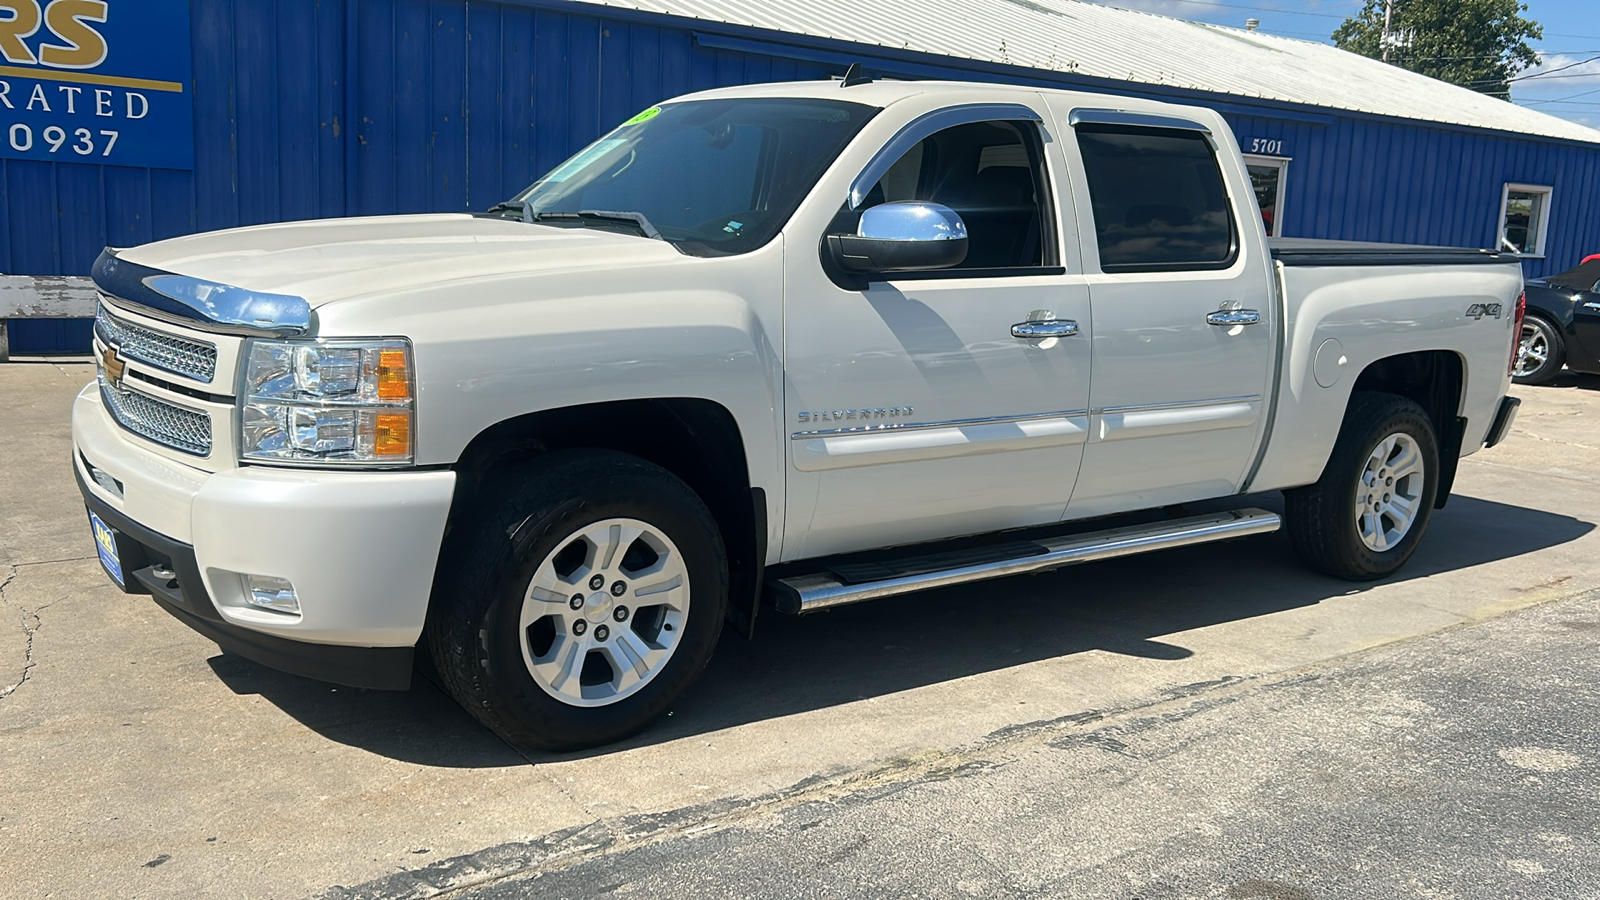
<point x="1364" y="517"/>
<point x="583" y="604"/>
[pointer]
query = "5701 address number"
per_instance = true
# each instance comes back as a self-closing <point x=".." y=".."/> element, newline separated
<point x="82" y="141"/>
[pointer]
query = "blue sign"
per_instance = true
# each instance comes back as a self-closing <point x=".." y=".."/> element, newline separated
<point x="106" y="82"/>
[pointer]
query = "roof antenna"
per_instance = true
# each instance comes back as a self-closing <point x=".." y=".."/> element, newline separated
<point x="855" y="75"/>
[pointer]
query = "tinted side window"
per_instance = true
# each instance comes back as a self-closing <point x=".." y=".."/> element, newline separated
<point x="1158" y="198"/>
<point x="989" y="173"/>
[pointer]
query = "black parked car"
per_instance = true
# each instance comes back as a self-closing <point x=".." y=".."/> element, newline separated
<point x="1562" y="326"/>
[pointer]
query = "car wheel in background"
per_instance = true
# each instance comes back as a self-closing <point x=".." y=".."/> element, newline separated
<point x="1540" y="352"/>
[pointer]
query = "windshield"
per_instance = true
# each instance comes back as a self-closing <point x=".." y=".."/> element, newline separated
<point x="714" y="177"/>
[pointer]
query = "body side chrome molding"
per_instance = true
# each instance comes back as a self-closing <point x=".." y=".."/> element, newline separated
<point x="1102" y="410"/>
<point x="808" y="593"/>
<point x="941" y="440"/>
<point x="951" y="423"/>
<point x="200" y="304"/>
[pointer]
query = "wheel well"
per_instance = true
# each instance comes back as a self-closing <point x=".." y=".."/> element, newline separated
<point x="1434" y="379"/>
<point x="696" y="440"/>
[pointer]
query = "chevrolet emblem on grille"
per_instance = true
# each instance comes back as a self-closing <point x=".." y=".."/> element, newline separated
<point x="114" y="367"/>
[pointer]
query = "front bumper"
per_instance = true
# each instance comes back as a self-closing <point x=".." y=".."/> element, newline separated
<point x="359" y="548"/>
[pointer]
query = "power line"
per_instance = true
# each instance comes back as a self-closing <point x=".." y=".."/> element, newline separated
<point x="1594" y="74"/>
<point x="1562" y="99"/>
<point x="1553" y="71"/>
<point x="1499" y="55"/>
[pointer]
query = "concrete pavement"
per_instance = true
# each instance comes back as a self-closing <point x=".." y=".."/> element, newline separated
<point x="139" y="761"/>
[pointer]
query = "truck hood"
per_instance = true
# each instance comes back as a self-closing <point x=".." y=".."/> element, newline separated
<point x="333" y="259"/>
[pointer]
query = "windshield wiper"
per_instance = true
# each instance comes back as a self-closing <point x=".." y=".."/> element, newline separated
<point x="585" y="217"/>
<point x="589" y="217"/>
<point x="520" y="207"/>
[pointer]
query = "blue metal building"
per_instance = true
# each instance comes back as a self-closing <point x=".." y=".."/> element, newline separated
<point x="274" y="110"/>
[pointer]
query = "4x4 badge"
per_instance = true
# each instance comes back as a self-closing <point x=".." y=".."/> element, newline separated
<point x="114" y="367"/>
<point x="1479" y="310"/>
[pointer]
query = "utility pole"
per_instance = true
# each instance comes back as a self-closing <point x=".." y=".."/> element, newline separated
<point x="1388" y="12"/>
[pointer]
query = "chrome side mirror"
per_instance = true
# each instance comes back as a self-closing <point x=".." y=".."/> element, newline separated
<point x="903" y="236"/>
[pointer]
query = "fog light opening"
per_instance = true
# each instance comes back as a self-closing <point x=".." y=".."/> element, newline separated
<point x="274" y="594"/>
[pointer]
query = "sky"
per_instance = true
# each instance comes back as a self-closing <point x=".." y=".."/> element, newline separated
<point x="1571" y="42"/>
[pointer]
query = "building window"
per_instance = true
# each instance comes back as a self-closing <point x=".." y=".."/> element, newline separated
<point x="1524" y="218"/>
<point x="1267" y="175"/>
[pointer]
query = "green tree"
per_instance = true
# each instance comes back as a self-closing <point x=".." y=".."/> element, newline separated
<point x="1477" y="44"/>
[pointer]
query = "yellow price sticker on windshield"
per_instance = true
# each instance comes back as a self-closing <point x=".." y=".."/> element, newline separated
<point x="645" y="116"/>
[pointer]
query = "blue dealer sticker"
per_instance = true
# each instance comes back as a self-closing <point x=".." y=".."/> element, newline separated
<point x="106" y="542"/>
<point x="106" y="82"/>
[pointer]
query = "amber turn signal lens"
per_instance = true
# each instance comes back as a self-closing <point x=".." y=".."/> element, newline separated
<point x="394" y="380"/>
<point x="392" y="434"/>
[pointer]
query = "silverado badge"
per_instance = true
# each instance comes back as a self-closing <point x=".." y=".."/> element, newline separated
<point x="113" y="366"/>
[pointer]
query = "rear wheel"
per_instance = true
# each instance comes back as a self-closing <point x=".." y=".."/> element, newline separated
<point x="1541" y="352"/>
<point x="583" y="604"/>
<point x="1364" y="517"/>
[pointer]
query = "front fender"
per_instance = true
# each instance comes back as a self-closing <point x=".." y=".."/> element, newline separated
<point x="489" y="350"/>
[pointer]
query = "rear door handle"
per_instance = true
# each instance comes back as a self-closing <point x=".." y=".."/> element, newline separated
<point x="1228" y="317"/>
<point x="1057" y="328"/>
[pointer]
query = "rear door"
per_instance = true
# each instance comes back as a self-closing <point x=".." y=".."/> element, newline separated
<point x="1180" y="293"/>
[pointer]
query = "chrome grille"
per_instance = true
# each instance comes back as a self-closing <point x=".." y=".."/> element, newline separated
<point x="157" y="420"/>
<point x="181" y="356"/>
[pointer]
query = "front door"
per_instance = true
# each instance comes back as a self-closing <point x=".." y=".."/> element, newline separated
<point x="1183" y="313"/>
<point x="913" y="411"/>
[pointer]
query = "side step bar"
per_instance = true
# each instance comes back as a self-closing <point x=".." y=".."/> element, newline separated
<point x="820" y="590"/>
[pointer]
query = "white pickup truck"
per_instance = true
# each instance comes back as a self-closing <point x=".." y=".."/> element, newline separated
<point x="788" y="345"/>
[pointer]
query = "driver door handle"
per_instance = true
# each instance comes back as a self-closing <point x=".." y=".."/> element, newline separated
<point x="1055" y="328"/>
<point x="1233" y="317"/>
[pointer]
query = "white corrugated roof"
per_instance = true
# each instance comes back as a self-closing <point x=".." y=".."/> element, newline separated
<point x="1104" y="42"/>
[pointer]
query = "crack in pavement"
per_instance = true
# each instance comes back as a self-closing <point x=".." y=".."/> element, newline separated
<point x="31" y="623"/>
<point x="27" y="657"/>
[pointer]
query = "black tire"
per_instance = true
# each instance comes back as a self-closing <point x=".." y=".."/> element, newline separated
<point x="1322" y="518"/>
<point x="473" y="625"/>
<point x="1555" y="353"/>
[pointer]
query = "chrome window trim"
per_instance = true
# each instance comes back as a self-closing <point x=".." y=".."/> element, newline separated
<point x="920" y="426"/>
<point x="200" y="304"/>
<point x="1134" y="119"/>
<point x="927" y="124"/>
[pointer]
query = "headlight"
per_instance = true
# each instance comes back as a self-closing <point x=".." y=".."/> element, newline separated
<point x="328" y="401"/>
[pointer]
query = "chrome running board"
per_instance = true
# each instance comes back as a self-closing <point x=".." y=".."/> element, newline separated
<point x="820" y="590"/>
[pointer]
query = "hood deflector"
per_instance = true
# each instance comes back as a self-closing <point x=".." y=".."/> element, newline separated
<point x="197" y="303"/>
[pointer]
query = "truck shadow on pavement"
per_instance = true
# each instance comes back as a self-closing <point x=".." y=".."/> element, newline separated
<point x="799" y="664"/>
